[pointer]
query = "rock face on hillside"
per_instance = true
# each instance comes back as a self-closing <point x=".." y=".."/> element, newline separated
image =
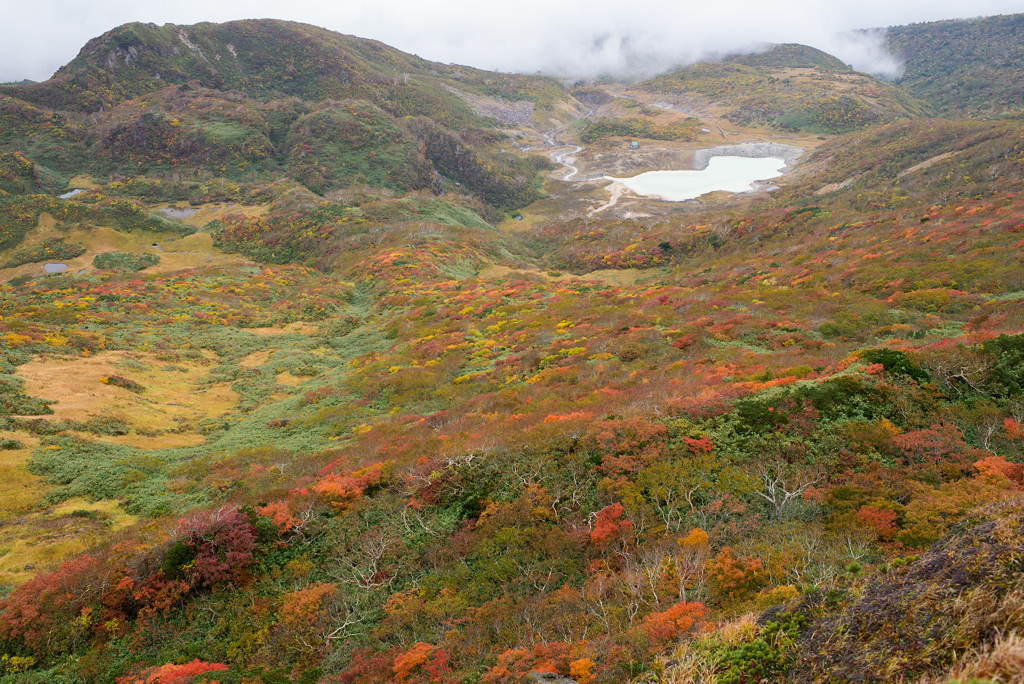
<point x="963" y="594"/>
<point x="753" y="150"/>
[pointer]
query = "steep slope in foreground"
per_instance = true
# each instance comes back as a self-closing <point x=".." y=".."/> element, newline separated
<point x="958" y="609"/>
<point x="951" y="615"/>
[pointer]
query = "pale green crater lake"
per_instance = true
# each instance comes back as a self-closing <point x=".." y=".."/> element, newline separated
<point x="732" y="174"/>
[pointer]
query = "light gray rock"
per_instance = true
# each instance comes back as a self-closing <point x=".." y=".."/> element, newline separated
<point x="789" y="153"/>
<point x="550" y="678"/>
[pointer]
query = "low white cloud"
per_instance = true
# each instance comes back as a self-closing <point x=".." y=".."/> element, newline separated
<point x="865" y="51"/>
<point x="576" y="37"/>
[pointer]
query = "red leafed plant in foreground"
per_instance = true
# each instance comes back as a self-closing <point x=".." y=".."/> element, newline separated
<point x="174" y="674"/>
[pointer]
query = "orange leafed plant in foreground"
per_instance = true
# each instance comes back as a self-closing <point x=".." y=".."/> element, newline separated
<point x="172" y="674"/>
<point x="340" y="490"/>
<point x="609" y="524"/>
<point x="422" y="663"/>
<point x="669" y="624"/>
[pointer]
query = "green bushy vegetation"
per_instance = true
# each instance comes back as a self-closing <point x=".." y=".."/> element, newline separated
<point x="959" y="159"/>
<point x="639" y="128"/>
<point x="505" y="181"/>
<point x="247" y="124"/>
<point x="19" y="214"/>
<point x="49" y="249"/>
<point x="155" y="140"/>
<point x="123" y="261"/>
<point x="346" y="238"/>
<point x="14" y="401"/>
<point x="790" y="56"/>
<point x="18" y="175"/>
<point x="355" y="143"/>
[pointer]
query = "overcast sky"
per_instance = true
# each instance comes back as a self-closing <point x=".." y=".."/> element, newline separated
<point x="558" y="37"/>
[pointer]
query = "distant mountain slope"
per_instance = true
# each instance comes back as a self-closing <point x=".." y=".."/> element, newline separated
<point x="791" y="56"/>
<point x="928" y="159"/>
<point x="268" y="98"/>
<point x="268" y="59"/>
<point x="964" y="66"/>
<point x="790" y="87"/>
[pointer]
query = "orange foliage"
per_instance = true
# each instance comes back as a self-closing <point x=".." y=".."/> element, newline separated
<point x="280" y="514"/>
<point x="942" y="443"/>
<point x="172" y="674"/>
<point x="609" y="525"/>
<point x="575" y="415"/>
<point x="297" y="607"/>
<point x="629" y="444"/>
<point x="995" y="465"/>
<point x="412" y="659"/>
<point x="697" y="539"/>
<point x="340" y="489"/>
<point x="515" y="664"/>
<point x="667" y="625"/>
<point x="737" y="577"/>
<point x="582" y="670"/>
<point x="881" y="520"/>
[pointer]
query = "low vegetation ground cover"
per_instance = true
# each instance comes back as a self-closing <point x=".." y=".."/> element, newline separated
<point x="483" y="448"/>
<point x="776" y="442"/>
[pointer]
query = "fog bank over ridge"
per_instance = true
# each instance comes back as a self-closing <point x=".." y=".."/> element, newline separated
<point x="637" y="57"/>
<point x="646" y="37"/>
<point x="575" y="38"/>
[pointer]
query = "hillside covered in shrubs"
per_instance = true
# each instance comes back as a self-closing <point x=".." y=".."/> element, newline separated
<point x="310" y="406"/>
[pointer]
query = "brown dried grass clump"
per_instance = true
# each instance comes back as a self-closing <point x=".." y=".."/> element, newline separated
<point x="1001" y="662"/>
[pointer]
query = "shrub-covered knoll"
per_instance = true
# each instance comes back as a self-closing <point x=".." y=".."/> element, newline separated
<point x="815" y="98"/>
<point x="123" y="261"/>
<point x="919" y="618"/>
<point x="352" y="143"/>
<point x="49" y="249"/>
<point x="503" y="180"/>
<point x="19" y="214"/>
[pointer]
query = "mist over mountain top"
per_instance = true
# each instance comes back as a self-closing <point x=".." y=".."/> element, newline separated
<point x="634" y="57"/>
<point x="598" y="37"/>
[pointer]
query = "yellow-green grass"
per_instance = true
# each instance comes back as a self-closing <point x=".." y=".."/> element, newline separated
<point x="39" y="541"/>
<point x="83" y="182"/>
<point x="20" y="491"/>
<point x="33" y="540"/>
<point x="42" y="539"/>
<point x="300" y="327"/>
<point x="173" y="398"/>
<point x="176" y="253"/>
<point x="213" y="210"/>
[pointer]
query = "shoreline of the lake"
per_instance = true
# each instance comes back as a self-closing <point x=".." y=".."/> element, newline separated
<point x="734" y="174"/>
